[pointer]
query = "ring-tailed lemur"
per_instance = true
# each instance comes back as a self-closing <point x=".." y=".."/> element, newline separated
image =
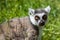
<point x="26" y="28"/>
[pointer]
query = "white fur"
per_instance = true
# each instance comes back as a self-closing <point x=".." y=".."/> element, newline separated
<point x="32" y="20"/>
<point x="31" y="15"/>
<point x="47" y="9"/>
<point x="31" y="11"/>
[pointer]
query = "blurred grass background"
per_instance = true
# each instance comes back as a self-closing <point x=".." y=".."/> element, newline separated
<point x="18" y="8"/>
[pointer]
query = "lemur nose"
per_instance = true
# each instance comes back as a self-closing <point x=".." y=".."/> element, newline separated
<point x="41" y="23"/>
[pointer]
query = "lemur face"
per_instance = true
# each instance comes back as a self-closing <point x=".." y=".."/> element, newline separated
<point x="39" y="16"/>
<point x="40" y="19"/>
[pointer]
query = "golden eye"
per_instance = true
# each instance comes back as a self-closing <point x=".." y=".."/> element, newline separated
<point x="44" y="17"/>
<point x="37" y="17"/>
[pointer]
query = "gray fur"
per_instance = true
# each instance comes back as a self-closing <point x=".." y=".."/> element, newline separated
<point x="19" y="29"/>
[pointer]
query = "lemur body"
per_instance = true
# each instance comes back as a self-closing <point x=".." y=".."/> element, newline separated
<point x="19" y="29"/>
<point x="26" y="28"/>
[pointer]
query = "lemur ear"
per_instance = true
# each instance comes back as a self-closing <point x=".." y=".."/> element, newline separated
<point x="31" y="11"/>
<point x="47" y="9"/>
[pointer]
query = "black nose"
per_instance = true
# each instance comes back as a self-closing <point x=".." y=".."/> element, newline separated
<point x="41" y="23"/>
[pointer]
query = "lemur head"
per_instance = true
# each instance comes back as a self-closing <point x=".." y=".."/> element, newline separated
<point x="39" y="17"/>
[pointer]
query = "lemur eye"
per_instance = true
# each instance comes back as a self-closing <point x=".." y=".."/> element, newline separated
<point x="44" y="17"/>
<point x="37" y="17"/>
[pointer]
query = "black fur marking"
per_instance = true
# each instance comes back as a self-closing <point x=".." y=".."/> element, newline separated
<point x="19" y="22"/>
<point x="1" y="28"/>
<point x="9" y="24"/>
<point x="36" y="28"/>
<point x="11" y="21"/>
<point x="40" y="11"/>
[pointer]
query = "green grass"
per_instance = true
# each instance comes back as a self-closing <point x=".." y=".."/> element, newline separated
<point x="18" y="8"/>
